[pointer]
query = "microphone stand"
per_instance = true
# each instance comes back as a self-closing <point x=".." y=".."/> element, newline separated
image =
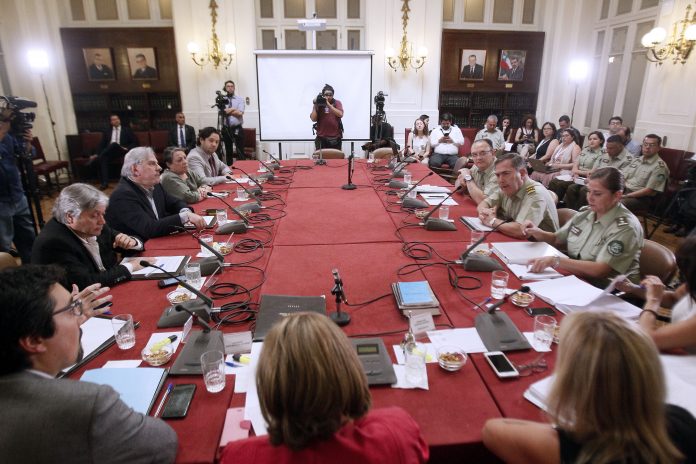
<point x="431" y="223"/>
<point x="478" y="263"/>
<point x="498" y="332"/>
<point x="199" y="342"/>
<point x="232" y="226"/>
<point x="253" y="207"/>
<point x="269" y="175"/>
<point x="397" y="172"/>
<point x="260" y="189"/>
<point x="276" y="162"/>
<point x="350" y="185"/>
<point x="321" y="161"/>
<point x="407" y="202"/>
<point x="339" y="317"/>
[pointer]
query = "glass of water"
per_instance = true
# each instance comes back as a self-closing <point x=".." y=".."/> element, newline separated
<point x="193" y="274"/>
<point x="544" y="328"/>
<point x="221" y="216"/>
<point x="499" y="283"/>
<point x="124" y="331"/>
<point x="443" y="212"/>
<point x="208" y="240"/>
<point x="213" y="368"/>
<point x="407" y="177"/>
<point x="415" y="357"/>
<point x="371" y="157"/>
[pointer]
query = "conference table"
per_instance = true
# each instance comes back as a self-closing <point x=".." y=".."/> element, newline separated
<point x="310" y="227"/>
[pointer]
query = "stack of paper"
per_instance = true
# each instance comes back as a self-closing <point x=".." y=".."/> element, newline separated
<point x="522" y="252"/>
<point x="523" y="273"/>
<point x="570" y="294"/>
<point x="415" y="296"/>
<point x="474" y="223"/>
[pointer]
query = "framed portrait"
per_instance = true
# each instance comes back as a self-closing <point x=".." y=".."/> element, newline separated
<point x="511" y="66"/>
<point x="471" y="66"/>
<point x="99" y="64"/>
<point x="143" y="64"/>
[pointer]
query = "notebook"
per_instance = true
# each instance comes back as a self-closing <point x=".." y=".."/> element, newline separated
<point x="137" y="386"/>
<point x="273" y="307"/>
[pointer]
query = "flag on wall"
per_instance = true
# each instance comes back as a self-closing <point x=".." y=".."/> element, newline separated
<point x="505" y="61"/>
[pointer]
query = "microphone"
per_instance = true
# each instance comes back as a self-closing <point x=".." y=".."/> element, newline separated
<point x="276" y="161"/>
<point x="206" y="264"/>
<point x="350" y="185"/>
<point x="497" y="331"/>
<point x="232" y="226"/>
<point x="431" y="223"/>
<point x="183" y="283"/>
<point x="478" y="263"/>
<point x="398" y="172"/>
<point x="339" y="317"/>
<point x="407" y="202"/>
<point x="494" y="306"/>
<point x="253" y="207"/>
<point x="261" y="190"/>
<point x="196" y="319"/>
<point x="269" y="175"/>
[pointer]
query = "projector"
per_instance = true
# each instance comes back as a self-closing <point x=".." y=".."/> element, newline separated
<point x="311" y="24"/>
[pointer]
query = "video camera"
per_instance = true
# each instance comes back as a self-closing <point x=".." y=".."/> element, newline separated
<point x="220" y="100"/>
<point x="379" y="101"/>
<point x="321" y="100"/>
<point x="11" y="110"/>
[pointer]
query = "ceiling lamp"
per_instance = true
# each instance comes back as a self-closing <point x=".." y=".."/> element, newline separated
<point x="216" y="55"/>
<point x="406" y="58"/>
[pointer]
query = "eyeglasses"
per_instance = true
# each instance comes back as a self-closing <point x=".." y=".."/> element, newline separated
<point x="535" y="367"/>
<point x="649" y="144"/>
<point x="480" y="154"/>
<point x="75" y="308"/>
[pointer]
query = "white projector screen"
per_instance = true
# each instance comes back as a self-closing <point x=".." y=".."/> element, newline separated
<point x="288" y="80"/>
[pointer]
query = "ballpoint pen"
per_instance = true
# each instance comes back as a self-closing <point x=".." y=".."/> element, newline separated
<point x="164" y="399"/>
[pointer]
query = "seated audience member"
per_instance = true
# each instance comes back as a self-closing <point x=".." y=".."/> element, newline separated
<point x="139" y="206"/>
<point x="317" y="405"/>
<point x="564" y="123"/>
<point x="182" y="135"/>
<point x="518" y="200"/>
<point x="445" y="141"/>
<point x="615" y="123"/>
<point x="492" y="133"/>
<point x="79" y="240"/>
<point x="480" y="180"/>
<point x="548" y="143"/>
<point x="203" y="160"/>
<point x="506" y="129"/>
<point x="178" y="181"/>
<point x="631" y="146"/>
<point x="527" y="136"/>
<point x="645" y="176"/>
<point x="615" y="156"/>
<point x="603" y="240"/>
<point x="115" y="142"/>
<point x="606" y="404"/>
<point x="562" y="159"/>
<point x="682" y="210"/>
<point x="47" y="420"/>
<point x="418" y="143"/>
<point x="426" y="119"/>
<point x="681" y="332"/>
<point x="583" y="164"/>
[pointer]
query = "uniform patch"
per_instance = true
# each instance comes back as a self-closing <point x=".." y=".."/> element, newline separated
<point x="615" y="247"/>
<point x="575" y="230"/>
<point x="661" y="177"/>
<point x="621" y="221"/>
<point x="530" y="189"/>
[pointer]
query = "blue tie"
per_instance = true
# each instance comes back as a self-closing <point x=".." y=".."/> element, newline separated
<point x="181" y="137"/>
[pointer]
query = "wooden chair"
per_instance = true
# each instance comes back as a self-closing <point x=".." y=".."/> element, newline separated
<point x="45" y="168"/>
<point x="330" y="153"/>
<point x="159" y="140"/>
<point x="250" y="142"/>
<point x="657" y="260"/>
<point x="565" y="215"/>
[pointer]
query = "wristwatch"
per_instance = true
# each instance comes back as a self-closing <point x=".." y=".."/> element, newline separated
<point x="467" y="177"/>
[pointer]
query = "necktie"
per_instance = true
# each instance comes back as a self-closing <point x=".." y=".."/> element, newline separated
<point x="182" y="140"/>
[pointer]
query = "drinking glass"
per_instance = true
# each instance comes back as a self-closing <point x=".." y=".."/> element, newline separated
<point x="499" y="283"/>
<point x="193" y="271"/>
<point x="407" y="178"/>
<point x="544" y="327"/>
<point x="221" y="216"/>
<point x="415" y="357"/>
<point x="124" y="331"/>
<point x="443" y="212"/>
<point x="242" y="194"/>
<point x="213" y="367"/>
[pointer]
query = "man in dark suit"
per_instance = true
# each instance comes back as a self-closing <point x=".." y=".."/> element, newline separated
<point x="79" y="240"/>
<point x="115" y="142"/>
<point x="98" y="71"/>
<point x="45" y="419"/>
<point x="144" y="70"/>
<point x="516" y="71"/>
<point x="182" y="135"/>
<point x="139" y="206"/>
<point x="472" y="70"/>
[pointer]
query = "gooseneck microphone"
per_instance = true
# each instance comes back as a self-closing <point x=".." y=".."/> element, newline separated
<point x="494" y="306"/>
<point x="253" y="207"/>
<point x="232" y="226"/>
<point x="431" y="223"/>
<point x="276" y="161"/>
<point x="350" y="185"/>
<point x="261" y="190"/>
<point x="269" y="175"/>
<point x="479" y="263"/>
<point x="339" y="317"/>
<point x="397" y="172"/>
<point x="414" y="202"/>
<point x="208" y="302"/>
<point x="204" y="325"/>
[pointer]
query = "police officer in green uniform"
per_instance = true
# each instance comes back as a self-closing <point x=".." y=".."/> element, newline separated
<point x="615" y="156"/>
<point x="480" y="180"/>
<point x="645" y="176"/>
<point x="582" y="166"/>
<point x="603" y="240"/>
<point x="519" y="199"/>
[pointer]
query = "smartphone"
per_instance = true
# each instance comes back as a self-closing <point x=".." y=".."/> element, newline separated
<point x="179" y="400"/>
<point x="545" y="311"/>
<point x="169" y="282"/>
<point x="500" y="364"/>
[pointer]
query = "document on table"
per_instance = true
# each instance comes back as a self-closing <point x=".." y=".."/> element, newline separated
<point x="436" y="198"/>
<point x="466" y="339"/>
<point x="252" y="409"/>
<point x="97" y="335"/>
<point x="522" y="252"/>
<point x="138" y="386"/>
<point x="474" y="223"/>
<point x="172" y="264"/>
<point x="523" y="273"/>
<point x="425" y="188"/>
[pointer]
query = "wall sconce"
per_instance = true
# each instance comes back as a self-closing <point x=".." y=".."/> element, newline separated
<point x="215" y="55"/>
<point x="405" y="58"/>
<point x="679" y="45"/>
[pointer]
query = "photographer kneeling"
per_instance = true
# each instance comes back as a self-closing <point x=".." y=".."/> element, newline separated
<point x="327" y="113"/>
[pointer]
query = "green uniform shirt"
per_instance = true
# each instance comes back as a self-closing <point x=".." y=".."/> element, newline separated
<point x="587" y="158"/>
<point x="485" y="180"/>
<point x="651" y="173"/>
<point x="615" y="239"/>
<point x="532" y="202"/>
<point x="619" y="162"/>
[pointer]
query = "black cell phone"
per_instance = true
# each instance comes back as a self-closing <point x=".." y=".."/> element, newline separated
<point x="169" y="282"/>
<point x="545" y="311"/>
<point x="179" y="400"/>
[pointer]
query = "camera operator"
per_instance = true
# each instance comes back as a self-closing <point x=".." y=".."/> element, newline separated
<point x="16" y="221"/>
<point x="327" y="113"/>
<point x="445" y="141"/>
<point x="234" y="118"/>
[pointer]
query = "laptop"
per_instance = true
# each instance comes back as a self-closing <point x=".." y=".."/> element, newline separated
<point x="273" y="307"/>
<point x="541" y="166"/>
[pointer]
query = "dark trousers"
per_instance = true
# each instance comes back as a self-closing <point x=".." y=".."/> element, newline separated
<point x="438" y="159"/>
<point x="328" y="142"/>
<point x="559" y="187"/>
<point x="575" y="196"/>
<point x="112" y="151"/>
<point x="233" y="135"/>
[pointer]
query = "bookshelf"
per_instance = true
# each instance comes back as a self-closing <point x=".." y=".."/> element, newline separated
<point x="470" y="108"/>
<point x="143" y="111"/>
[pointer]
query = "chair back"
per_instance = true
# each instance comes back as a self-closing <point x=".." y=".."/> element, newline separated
<point x="657" y="260"/>
<point x="382" y="153"/>
<point x="565" y="215"/>
<point x="330" y="153"/>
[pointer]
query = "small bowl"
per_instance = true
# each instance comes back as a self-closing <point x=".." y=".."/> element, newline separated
<point x="522" y="299"/>
<point x="178" y="296"/>
<point x="159" y="357"/>
<point x="482" y="249"/>
<point x="421" y="213"/>
<point x="224" y="248"/>
<point x="451" y="358"/>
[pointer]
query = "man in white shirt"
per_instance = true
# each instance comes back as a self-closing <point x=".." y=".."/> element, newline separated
<point x="445" y="141"/>
<point x="492" y="133"/>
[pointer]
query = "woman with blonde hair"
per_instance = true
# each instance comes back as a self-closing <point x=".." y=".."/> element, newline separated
<point x="607" y="403"/>
<point x="314" y="396"/>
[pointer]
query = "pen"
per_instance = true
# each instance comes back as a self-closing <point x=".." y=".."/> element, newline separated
<point x="164" y="398"/>
<point x="104" y="305"/>
<point x="233" y="364"/>
<point x="482" y="304"/>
